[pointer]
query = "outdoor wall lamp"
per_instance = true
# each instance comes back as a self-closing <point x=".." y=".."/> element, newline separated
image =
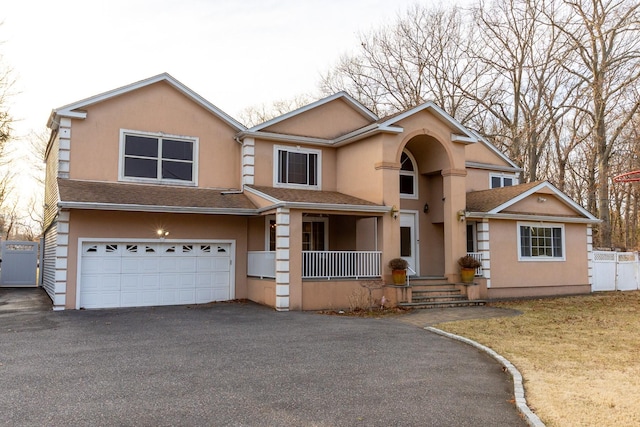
<point x="425" y="209"/>
<point x="461" y="215"/>
<point x="162" y="233"/>
<point x="394" y="212"/>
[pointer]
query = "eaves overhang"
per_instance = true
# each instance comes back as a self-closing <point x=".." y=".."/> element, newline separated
<point x="348" y="138"/>
<point x="486" y="166"/>
<point x="545" y="185"/>
<point x="76" y="110"/>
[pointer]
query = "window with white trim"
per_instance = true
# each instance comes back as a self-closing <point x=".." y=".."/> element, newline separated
<point x="156" y="157"/>
<point x="315" y="234"/>
<point x="297" y="167"/>
<point x="498" y="180"/>
<point x="408" y="178"/>
<point x="541" y="242"/>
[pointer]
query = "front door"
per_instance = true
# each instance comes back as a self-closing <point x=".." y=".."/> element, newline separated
<point x="408" y="241"/>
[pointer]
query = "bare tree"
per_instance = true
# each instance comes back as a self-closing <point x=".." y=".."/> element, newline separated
<point x="605" y="34"/>
<point x="410" y="62"/>
<point x="257" y="114"/>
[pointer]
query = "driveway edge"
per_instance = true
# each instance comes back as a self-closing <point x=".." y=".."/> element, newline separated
<point x="518" y="388"/>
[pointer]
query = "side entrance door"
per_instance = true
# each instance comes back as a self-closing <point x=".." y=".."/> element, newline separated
<point x="408" y="241"/>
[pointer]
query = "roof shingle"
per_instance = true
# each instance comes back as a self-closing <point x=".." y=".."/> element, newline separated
<point x="112" y="193"/>
<point x="486" y="200"/>
<point x="312" y="196"/>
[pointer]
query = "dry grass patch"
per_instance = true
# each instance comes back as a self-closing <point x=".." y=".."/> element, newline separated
<point x="580" y="356"/>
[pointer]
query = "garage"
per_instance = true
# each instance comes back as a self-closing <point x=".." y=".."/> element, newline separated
<point x="136" y="274"/>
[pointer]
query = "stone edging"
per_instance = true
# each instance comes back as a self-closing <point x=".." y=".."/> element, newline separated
<point x="518" y="389"/>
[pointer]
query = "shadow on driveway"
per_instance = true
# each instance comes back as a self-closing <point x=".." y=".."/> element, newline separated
<point x="243" y="365"/>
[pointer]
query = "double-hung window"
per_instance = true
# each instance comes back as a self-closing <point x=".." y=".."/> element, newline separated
<point x="148" y="157"/>
<point x="297" y="167"/>
<point x="501" y="180"/>
<point x="541" y="242"/>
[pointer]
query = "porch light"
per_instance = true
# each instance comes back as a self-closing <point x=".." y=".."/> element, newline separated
<point x="461" y="215"/>
<point x="425" y="209"/>
<point x="394" y="212"/>
<point x="162" y="233"/>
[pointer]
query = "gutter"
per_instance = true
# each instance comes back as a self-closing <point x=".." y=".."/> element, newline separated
<point x="327" y="207"/>
<point x="525" y="217"/>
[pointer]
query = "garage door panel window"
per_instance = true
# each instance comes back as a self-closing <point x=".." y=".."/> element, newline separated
<point x="157" y="157"/>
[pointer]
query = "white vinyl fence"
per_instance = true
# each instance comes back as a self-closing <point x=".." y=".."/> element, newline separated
<point x="615" y="271"/>
<point x="19" y="264"/>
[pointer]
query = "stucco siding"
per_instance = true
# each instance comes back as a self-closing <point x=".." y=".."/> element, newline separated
<point x="158" y="108"/>
<point x="335" y="294"/>
<point x="264" y="167"/>
<point x="507" y="271"/>
<point x="327" y="121"/>
<point x="360" y="168"/>
<point x="480" y="153"/>
<point x="478" y="179"/>
<point x="541" y="203"/>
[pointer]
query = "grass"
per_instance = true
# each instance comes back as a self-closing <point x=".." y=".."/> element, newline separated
<point x="580" y="356"/>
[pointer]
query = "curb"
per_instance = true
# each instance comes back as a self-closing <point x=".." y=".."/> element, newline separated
<point x="518" y="388"/>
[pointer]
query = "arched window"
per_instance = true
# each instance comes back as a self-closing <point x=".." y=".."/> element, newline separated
<point x="408" y="179"/>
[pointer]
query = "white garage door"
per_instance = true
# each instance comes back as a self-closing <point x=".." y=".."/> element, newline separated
<point x="123" y="274"/>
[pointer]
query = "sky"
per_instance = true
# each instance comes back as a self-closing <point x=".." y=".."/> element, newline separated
<point x="234" y="53"/>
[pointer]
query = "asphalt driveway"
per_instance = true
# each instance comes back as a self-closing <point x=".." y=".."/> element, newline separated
<point x="237" y="364"/>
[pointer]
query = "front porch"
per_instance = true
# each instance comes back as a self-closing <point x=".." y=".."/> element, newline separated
<point x="330" y="279"/>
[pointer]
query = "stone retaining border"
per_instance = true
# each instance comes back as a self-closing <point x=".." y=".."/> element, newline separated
<point x="518" y="388"/>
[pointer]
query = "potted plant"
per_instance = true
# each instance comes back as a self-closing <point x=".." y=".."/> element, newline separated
<point x="398" y="268"/>
<point x="468" y="266"/>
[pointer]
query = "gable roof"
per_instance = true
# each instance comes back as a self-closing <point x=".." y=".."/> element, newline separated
<point x="484" y="141"/>
<point x="75" y="110"/>
<point x="492" y="202"/>
<point x="378" y="125"/>
<point x="364" y="111"/>
<point x="79" y="194"/>
<point x="463" y="134"/>
<point x="313" y="199"/>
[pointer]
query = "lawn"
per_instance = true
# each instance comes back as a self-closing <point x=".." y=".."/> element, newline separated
<point x="579" y="356"/>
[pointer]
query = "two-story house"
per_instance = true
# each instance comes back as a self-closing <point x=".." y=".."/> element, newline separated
<point x="154" y="196"/>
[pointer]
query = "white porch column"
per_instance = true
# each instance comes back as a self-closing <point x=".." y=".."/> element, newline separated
<point x="62" y="253"/>
<point x="484" y="249"/>
<point x="64" y="137"/>
<point x="248" y="161"/>
<point x="283" y="243"/>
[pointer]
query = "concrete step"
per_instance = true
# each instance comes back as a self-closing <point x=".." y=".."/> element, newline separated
<point x="442" y="304"/>
<point x="433" y="298"/>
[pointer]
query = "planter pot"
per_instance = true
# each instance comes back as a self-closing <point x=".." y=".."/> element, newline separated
<point x="399" y="277"/>
<point x="467" y="275"/>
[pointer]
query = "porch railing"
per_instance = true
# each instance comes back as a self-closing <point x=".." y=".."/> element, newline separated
<point x="478" y="256"/>
<point x="341" y="264"/>
<point x="261" y="264"/>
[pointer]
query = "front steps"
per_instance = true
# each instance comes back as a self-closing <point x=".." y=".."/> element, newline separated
<point x="436" y="292"/>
